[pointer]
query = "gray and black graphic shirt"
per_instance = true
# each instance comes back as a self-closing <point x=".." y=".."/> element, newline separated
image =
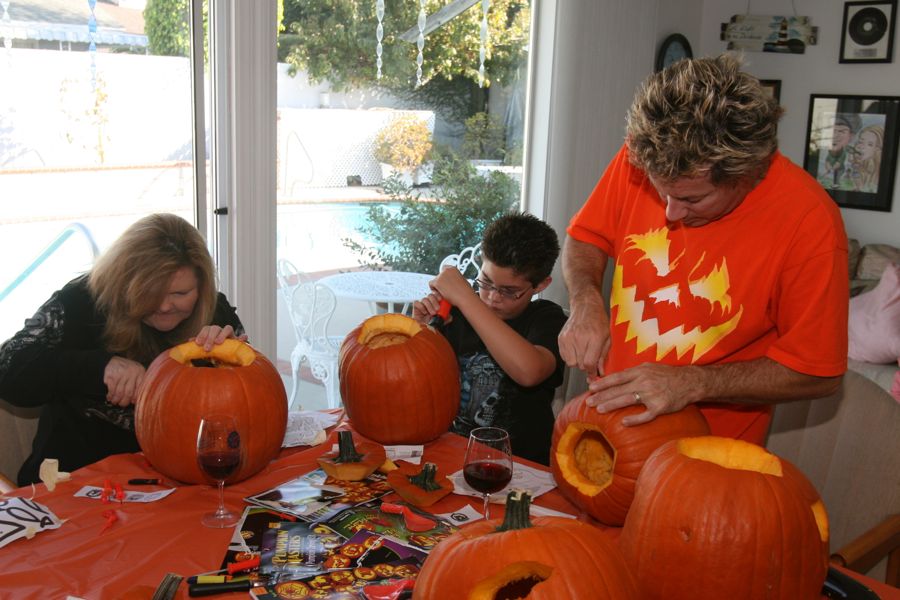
<point x="489" y="397"/>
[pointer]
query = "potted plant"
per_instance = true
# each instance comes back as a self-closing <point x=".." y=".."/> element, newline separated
<point x="402" y="147"/>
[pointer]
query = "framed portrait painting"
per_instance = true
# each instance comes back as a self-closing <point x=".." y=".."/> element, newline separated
<point x="851" y="148"/>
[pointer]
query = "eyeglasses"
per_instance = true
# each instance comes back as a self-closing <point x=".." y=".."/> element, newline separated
<point x="505" y="293"/>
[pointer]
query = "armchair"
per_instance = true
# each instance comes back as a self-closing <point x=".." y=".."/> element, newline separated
<point x="847" y="445"/>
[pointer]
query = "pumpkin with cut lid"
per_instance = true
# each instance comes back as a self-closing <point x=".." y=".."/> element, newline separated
<point x="596" y="460"/>
<point x="715" y="517"/>
<point x="185" y="383"/>
<point x="399" y="380"/>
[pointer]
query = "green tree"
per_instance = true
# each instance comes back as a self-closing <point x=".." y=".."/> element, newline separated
<point x="167" y="25"/>
<point x="418" y="236"/>
<point x="335" y="40"/>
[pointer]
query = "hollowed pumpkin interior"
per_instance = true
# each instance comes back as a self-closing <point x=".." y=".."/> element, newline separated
<point x="513" y="581"/>
<point x="387" y="330"/>
<point x="586" y="458"/>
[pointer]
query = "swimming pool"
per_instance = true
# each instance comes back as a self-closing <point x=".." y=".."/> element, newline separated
<point x="308" y="234"/>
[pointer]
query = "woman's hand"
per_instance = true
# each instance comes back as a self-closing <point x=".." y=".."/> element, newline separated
<point x="123" y="378"/>
<point x="213" y="335"/>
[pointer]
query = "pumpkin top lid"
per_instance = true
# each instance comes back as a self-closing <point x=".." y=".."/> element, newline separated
<point x="731" y="454"/>
<point x="387" y="330"/>
<point x="232" y="351"/>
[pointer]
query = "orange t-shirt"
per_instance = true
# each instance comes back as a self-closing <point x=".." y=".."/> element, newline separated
<point x="767" y="279"/>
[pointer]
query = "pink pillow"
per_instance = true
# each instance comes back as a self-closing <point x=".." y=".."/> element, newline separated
<point x="875" y="320"/>
<point x="895" y="389"/>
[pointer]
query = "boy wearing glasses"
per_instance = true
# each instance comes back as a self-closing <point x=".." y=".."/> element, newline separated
<point x="506" y="344"/>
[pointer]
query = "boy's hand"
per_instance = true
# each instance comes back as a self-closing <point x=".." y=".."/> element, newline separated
<point x="452" y="287"/>
<point x="426" y="308"/>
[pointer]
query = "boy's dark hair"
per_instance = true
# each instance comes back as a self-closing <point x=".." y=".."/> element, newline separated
<point x="523" y="243"/>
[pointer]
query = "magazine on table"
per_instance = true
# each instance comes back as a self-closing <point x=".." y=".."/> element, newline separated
<point x="290" y="550"/>
<point x="370" y="517"/>
<point x="315" y="496"/>
<point x="345" y="584"/>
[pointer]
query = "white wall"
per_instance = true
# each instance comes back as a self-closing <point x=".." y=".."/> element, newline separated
<point x="604" y="49"/>
<point x="817" y="71"/>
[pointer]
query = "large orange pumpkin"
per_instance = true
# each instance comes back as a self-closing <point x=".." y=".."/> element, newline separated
<point x="186" y="382"/>
<point x="596" y="460"/>
<point x="720" y="518"/>
<point x="546" y="558"/>
<point x="399" y="380"/>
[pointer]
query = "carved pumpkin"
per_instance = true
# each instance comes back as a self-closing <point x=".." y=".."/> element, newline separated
<point x="596" y="460"/>
<point x="399" y="380"/>
<point x="186" y="382"/>
<point x="718" y="518"/>
<point x="546" y="558"/>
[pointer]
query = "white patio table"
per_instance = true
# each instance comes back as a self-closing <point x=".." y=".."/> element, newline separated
<point x="391" y="288"/>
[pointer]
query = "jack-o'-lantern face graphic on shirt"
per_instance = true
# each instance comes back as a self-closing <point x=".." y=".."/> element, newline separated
<point x="670" y="301"/>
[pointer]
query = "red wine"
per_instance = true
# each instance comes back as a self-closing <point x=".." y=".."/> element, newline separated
<point x="487" y="477"/>
<point x="219" y="465"/>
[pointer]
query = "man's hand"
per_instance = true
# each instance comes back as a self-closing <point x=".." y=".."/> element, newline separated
<point x="584" y="340"/>
<point x="213" y="335"/>
<point x="123" y="378"/>
<point x="662" y="389"/>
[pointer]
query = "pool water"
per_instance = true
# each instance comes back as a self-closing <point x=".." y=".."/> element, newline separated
<point x="308" y="234"/>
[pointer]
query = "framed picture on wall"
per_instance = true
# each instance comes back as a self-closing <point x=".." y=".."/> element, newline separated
<point x="868" y="31"/>
<point x="851" y="148"/>
<point x="772" y="87"/>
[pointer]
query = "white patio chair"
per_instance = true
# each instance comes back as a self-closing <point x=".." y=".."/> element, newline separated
<point x="312" y="305"/>
<point x="468" y="261"/>
<point x="289" y="277"/>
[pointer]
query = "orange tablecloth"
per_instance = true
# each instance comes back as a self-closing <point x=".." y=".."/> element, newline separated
<point x="131" y="558"/>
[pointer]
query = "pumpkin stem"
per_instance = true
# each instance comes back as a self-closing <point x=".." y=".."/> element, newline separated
<point x="517" y="507"/>
<point x="425" y="478"/>
<point x="347" y="449"/>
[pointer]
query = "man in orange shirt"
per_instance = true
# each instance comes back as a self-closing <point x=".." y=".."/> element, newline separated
<point x="729" y="287"/>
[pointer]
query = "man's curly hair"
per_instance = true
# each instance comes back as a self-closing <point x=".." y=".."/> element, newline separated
<point x="523" y="243"/>
<point x="703" y="115"/>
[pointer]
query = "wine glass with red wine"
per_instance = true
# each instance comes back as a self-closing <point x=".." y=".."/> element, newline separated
<point x="488" y="464"/>
<point x="219" y="455"/>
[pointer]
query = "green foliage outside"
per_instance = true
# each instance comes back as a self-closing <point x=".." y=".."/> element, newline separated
<point x="484" y="137"/>
<point x="404" y="143"/>
<point x="335" y="40"/>
<point x="167" y="25"/>
<point x="424" y="232"/>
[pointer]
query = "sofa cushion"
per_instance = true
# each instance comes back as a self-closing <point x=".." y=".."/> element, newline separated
<point x="874" y="323"/>
<point x="874" y="258"/>
<point x="853" y="252"/>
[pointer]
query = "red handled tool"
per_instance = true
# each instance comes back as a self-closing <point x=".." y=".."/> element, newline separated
<point x="440" y="317"/>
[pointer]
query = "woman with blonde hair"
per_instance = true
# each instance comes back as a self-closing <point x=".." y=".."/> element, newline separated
<point x="866" y="159"/>
<point x="83" y="355"/>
